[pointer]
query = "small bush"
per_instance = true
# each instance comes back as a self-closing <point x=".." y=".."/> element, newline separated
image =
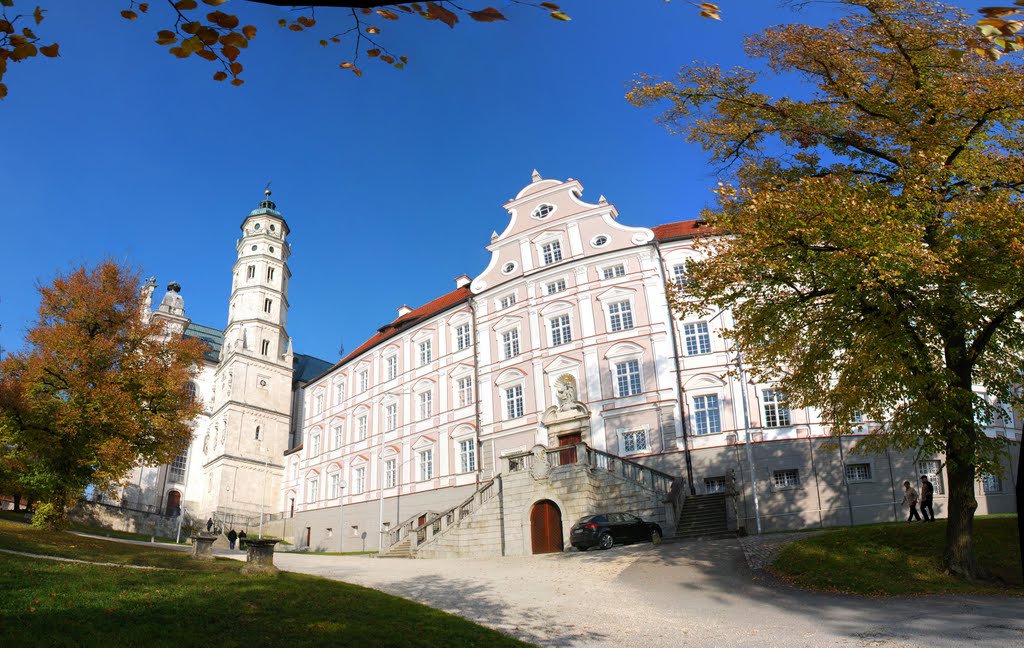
<point x="50" y="516"/>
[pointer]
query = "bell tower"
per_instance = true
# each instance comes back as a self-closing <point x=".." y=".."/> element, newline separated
<point x="248" y="433"/>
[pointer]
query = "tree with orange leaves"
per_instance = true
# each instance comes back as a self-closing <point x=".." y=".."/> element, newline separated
<point x="98" y="389"/>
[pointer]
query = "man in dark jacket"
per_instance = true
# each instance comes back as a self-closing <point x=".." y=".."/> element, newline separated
<point x="241" y="539"/>
<point x="232" y="536"/>
<point x="927" y="491"/>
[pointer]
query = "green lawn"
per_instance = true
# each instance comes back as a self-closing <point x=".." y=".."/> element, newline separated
<point x="900" y="559"/>
<point x="50" y="603"/>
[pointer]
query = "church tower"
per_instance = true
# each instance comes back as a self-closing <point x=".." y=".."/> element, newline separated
<point x="248" y="432"/>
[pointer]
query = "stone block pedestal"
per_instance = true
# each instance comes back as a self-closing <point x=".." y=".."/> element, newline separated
<point x="202" y="546"/>
<point x="259" y="557"/>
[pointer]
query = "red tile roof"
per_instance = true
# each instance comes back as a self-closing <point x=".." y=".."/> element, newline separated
<point x="403" y="322"/>
<point x="680" y="229"/>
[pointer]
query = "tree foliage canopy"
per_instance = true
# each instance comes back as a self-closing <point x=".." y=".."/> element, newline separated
<point x="873" y="247"/>
<point x="98" y="389"/>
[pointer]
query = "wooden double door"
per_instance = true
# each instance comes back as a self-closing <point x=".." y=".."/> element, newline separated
<point x="546" y="527"/>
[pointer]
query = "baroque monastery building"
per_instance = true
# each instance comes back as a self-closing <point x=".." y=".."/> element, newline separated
<point x="556" y="383"/>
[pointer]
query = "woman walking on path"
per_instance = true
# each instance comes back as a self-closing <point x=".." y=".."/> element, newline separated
<point x="910" y="497"/>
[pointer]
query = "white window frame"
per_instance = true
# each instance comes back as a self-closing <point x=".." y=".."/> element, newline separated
<point x="680" y="274"/>
<point x="391" y="366"/>
<point x="464" y="389"/>
<point x="620" y="313"/>
<point x="390" y="417"/>
<point x="515" y="402"/>
<point x="425" y="404"/>
<point x="613" y="271"/>
<point x="318" y="403"/>
<point x="425" y="352"/>
<point x="467" y="455"/>
<point x="510" y="343"/>
<point x="773" y="405"/>
<point x="855" y="472"/>
<point x="991" y="484"/>
<point x="786" y="479"/>
<point x="390" y="472"/>
<point x="550" y="252"/>
<point x="362" y="427"/>
<point x="339" y="391"/>
<point x="554" y="287"/>
<point x="425" y="464"/>
<point x="463" y="337"/>
<point x="176" y="470"/>
<point x="717" y="484"/>
<point x="630" y="369"/>
<point x="560" y="327"/>
<point x="696" y="338"/>
<point x="507" y="301"/>
<point x="339" y="434"/>
<point x="634" y="441"/>
<point x="335" y="484"/>
<point x="359" y="480"/>
<point x="364" y="380"/>
<point x="314" y="444"/>
<point x="313" y="488"/>
<point x="701" y="414"/>
<point x="934" y="477"/>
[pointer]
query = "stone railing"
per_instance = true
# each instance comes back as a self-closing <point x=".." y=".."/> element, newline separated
<point x="582" y="454"/>
<point x="438" y="523"/>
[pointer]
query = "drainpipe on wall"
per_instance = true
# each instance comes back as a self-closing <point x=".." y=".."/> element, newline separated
<point x="476" y="392"/>
<point x="679" y="374"/>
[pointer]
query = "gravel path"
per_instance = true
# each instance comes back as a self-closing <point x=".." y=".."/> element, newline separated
<point x="694" y="592"/>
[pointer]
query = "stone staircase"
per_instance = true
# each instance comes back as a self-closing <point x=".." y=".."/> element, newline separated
<point x="402" y="549"/>
<point x="703" y="516"/>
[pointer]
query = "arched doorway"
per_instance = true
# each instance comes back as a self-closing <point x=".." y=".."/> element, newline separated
<point x="546" y="527"/>
<point x="173" y="503"/>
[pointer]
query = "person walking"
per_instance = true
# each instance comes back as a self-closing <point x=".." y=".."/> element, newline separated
<point x="241" y="539"/>
<point x="927" y="492"/>
<point x="209" y="525"/>
<point x="910" y="498"/>
<point x="232" y="536"/>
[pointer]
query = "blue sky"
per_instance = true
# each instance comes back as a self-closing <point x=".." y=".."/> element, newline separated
<point x="391" y="183"/>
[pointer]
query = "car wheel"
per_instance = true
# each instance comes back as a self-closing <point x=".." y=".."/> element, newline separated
<point x="655" y="537"/>
<point x="606" y="541"/>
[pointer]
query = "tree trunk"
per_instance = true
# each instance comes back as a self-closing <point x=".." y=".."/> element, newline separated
<point x="17" y="502"/>
<point x="958" y="557"/>
<point x="1020" y="499"/>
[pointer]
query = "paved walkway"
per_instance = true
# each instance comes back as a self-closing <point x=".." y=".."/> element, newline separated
<point x="760" y="550"/>
<point x="700" y="593"/>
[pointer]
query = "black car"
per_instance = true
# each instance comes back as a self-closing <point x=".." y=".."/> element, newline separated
<point x="606" y="529"/>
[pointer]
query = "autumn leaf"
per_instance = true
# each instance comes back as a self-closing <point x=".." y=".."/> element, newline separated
<point x="166" y="37"/>
<point x="50" y="51"/>
<point x="185" y="5"/>
<point x="560" y="15"/>
<point x="127" y="14"/>
<point x="437" y="12"/>
<point x="249" y="31"/>
<point x="38" y="15"/>
<point x="220" y="76"/>
<point x="489" y="14"/>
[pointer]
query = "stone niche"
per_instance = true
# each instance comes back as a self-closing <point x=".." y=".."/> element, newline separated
<point x="568" y="422"/>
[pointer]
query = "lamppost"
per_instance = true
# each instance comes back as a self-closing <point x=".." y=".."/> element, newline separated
<point x="341" y="515"/>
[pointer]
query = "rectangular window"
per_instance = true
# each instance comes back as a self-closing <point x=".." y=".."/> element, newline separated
<point x="510" y="343"/>
<point x="318" y="403"/>
<point x="679" y="274"/>
<point x="314" y="445"/>
<point x="465" y="390"/>
<point x="251" y="272"/>
<point x="555" y="287"/>
<point x="426" y="465"/>
<point x="390" y="473"/>
<point x="514" y="402"/>
<point x="776" y="414"/>
<point x="561" y="331"/>
<point x="178" y="469"/>
<point x="339" y="393"/>
<point x="614" y="271"/>
<point x="467" y="456"/>
<point x="335" y="485"/>
<point x="361" y="428"/>
<point x="697" y="338"/>
<point x="786" y="478"/>
<point x="463" y="340"/>
<point x="390" y="417"/>
<point x="551" y="252"/>
<point x="314" y="489"/>
<point x="634" y="441"/>
<point x="858" y="472"/>
<point x="295" y="470"/>
<point x="932" y="469"/>
<point x="620" y="316"/>
<point x="265" y="347"/>
<point x="391" y="367"/>
<point x="426" y="352"/>
<point x="706" y="417"/>
<point x="715" y="485"/>
<point x="426" y="404"/>
<point x="339" y="436"/>
<point x="508" y="300"/>
<point x="992" y="484"/>
<point x="267" y="305"/>
<point x="627" y="378"/>
<point x="360" y="481"/>
<point x="364" y="380"/>
<point x="270" y="274"/>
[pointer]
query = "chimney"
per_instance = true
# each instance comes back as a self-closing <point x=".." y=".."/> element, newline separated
<point x="462" y="280"/>
<point x="404" y="310"/>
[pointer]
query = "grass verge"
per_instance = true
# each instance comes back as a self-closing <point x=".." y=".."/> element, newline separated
<point x="900" y="559"/>
<point x="49" y="603"/>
